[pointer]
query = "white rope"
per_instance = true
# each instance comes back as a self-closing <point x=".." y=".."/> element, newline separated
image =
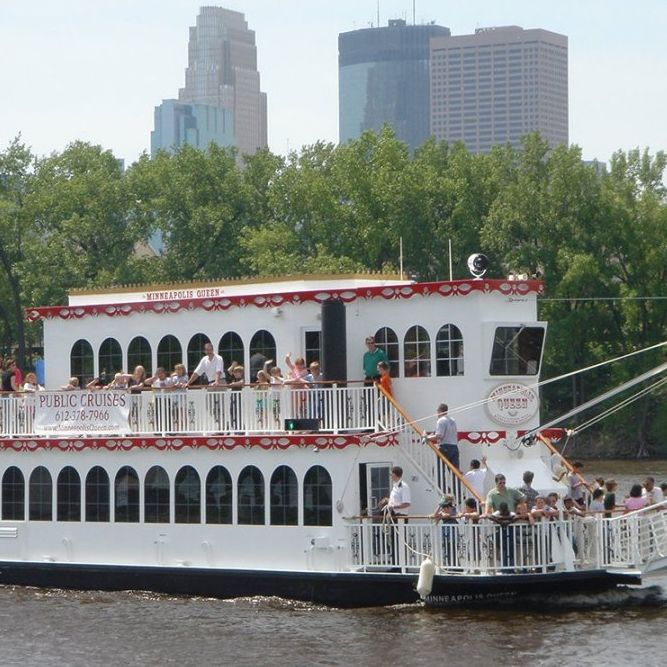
<point x="388" y="518"/>
<point x="484" y="401"/>
<point x="619" y="406"/>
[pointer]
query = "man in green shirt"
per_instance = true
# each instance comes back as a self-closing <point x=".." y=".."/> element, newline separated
<point x="502" y="494"/>
<point x="372" y="357"/>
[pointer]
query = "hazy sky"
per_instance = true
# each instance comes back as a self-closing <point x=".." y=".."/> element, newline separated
<point x="95" y="69"/>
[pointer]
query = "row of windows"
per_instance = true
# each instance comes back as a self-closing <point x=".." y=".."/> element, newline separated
<point x="416" y="347"/>
<point x="218" y="495"/>
<point x="169" y="353"/>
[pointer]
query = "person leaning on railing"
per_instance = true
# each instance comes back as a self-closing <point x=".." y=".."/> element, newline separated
<point x="502" y="494"/>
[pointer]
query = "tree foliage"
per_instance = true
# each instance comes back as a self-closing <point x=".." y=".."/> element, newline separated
<point x="597" y="237"/>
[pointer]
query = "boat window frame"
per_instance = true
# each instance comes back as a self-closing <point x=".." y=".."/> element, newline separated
<point x="284" y="513"/>
<point x="317" y="509"/>
<point x="188" y="511"/>
<point x="97" y="501"/>
<point x="68" y="495"/>
<point x="17" y="504"/>
<point x="255" y="512"/>
<point x="40" y="508"/>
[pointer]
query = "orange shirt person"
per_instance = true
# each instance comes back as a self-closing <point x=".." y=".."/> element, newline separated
<point x="385" y="377"/>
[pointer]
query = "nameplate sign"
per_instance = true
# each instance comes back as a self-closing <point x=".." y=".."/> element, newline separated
<point x="102" y="412"/>
<point x="512" y="403"/>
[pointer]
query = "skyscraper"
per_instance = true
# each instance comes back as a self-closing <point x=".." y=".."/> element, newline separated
<point x="499" y="84"/>
<point x="383" y="77"/>
<point x="194" y="124"/>
<point x="221" y="74"/>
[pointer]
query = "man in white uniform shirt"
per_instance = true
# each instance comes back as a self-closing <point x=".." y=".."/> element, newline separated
<point x="399" y="498"/>
<point x="211" y="366"/>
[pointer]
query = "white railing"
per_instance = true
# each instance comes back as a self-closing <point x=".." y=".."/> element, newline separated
<point x="484" y="548"/>
<point x="631" y="541"/>
<point x="221" y="410"/>
<point x="638" y="538"/>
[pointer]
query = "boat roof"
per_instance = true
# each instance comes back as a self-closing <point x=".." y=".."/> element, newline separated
<point x="265" y="293"/>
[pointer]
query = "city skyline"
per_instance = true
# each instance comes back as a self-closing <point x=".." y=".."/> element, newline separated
<point x="97" y="75"/>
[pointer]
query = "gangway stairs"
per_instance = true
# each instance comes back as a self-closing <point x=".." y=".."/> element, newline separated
<point x="421" y="453"/>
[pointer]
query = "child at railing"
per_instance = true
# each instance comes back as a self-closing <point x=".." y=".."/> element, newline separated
<point x="261" y="397"/>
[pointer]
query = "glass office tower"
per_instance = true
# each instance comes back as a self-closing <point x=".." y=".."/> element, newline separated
<point x="383" y="78"/>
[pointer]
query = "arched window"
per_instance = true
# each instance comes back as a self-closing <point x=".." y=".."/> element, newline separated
<point x="81" y="361"/>
<point x="156" y="496"/>
<point x="139" y="354"/>
<point x="97" y="494"/>
<point x="262" y="344"/>
<point x="110" y="358"/>
<point x="251" y="496"/>
<point x="196" y="350"/>
<point x="219" y="495"/>
<point x="40" y="498"/>
<point x="284" y="497"/>
<point x="317" y="493"/>
<point x="126" y="496"/>
<point x="387" y="340"/>
<point x="230" y="348"/>
<point x="417" y="352"/>
<point x="169" y="353"/>
<point x="187" y="496"/>
<point x="68" y="495"/>
<point x="13" y="495"/>
<point x="449" y="351"/>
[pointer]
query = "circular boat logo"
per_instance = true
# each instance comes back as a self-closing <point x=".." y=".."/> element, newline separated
<point x="512" y="403"/>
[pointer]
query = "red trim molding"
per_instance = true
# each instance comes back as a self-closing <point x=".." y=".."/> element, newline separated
<point x="482" y="437"/>
<point x="509" y="288"/>
<point x="214" y="443"/>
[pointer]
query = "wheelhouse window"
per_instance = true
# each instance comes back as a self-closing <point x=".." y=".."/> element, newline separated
<point x="139" y="354"/>
<point x="219" y="495"/>
<point x="251" y="497"/>
<point x="317" y="494"/>
<point x="284" y="497"/>
<point x="387" y="340"/>
<point x="196" y="350"/>
<point x="13" y="495"/>
<point x="126" y="496"/>
<point x="110" y="358"/>
<point x="156" y="496"/>
<point x="517" y="350"/>
<point x="97" y="494"/>
<point x="40" y="499"/>
<point x="81" y="361"/>
<point x="230" y="348"/>
<point x="169" y="353"/>
<point x="449" y="351"/>
<point x="417" y="352"/>
<point x="187" y="496"/>
<point x="68" y="494"/>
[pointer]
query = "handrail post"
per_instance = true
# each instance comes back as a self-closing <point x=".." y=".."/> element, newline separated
<point x="335" y="423"/>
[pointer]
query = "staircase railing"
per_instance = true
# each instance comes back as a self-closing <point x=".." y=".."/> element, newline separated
<point x="421" y="452"/>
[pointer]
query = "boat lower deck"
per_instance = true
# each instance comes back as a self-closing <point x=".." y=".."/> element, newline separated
<point x="338" y="589"/>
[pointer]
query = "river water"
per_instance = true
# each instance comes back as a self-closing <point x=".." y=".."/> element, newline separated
<point x="49" y="627"/>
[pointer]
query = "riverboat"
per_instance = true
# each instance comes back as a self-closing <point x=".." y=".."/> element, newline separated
<point x="275" y="490"/>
